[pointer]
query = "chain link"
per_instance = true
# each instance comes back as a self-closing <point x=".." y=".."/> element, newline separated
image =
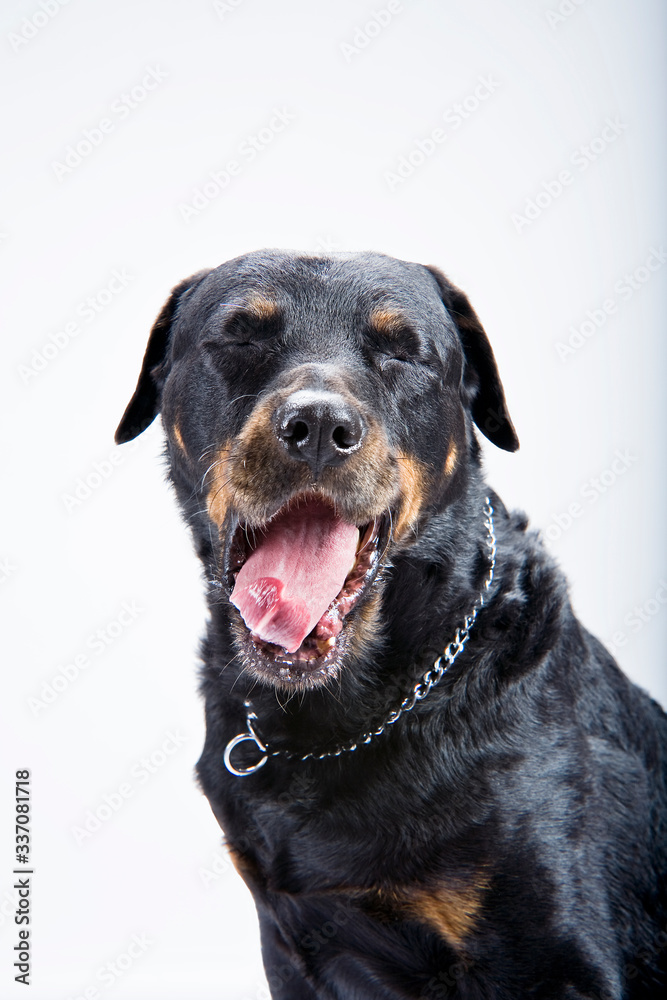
<point x="419" y="692"/>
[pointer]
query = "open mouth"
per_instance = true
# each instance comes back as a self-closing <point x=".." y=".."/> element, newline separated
<point x="295" y="582"/>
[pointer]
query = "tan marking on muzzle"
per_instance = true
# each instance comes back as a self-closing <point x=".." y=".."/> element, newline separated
<point x="452" y="457"/>
<point x="413" y="493"/>
<point x="178" y="437"/>
<point x="261" y="474"/>
<point x="218" y="496"/>
<point x="260" y="422"/>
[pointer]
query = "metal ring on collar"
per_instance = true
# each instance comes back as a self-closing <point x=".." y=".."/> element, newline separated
<point x="243" y="771"/>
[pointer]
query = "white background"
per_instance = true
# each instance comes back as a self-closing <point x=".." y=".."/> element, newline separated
<point x="68" y="568"/>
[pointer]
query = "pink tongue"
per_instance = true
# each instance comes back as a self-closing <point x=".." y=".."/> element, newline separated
<point x="293" y="575"/>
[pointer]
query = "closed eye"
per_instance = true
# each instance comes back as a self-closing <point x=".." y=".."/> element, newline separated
<point x="245" y="327"/>
<point x="386" y="359"/>
<point x="402" y="346"/>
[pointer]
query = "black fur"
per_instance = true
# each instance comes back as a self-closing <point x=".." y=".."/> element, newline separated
<point x="505" y="838"/>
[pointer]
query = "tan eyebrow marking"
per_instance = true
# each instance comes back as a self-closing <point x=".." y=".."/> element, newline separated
<point x="262" y="308"/>
<point x="387" y="320"/>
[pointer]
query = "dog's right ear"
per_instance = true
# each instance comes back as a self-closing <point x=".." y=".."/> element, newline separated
<point x="144" y="406"/>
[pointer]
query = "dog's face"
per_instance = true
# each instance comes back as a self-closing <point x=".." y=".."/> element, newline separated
<point x="317" y="409"/>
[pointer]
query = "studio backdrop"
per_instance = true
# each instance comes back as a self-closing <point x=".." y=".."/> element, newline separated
<point x="516" y="144"/>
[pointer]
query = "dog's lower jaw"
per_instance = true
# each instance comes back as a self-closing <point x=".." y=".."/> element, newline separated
<point x="281" y="672"/>
<point x="359" y="639"/>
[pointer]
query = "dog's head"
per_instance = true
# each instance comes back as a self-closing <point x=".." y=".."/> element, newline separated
<point x="318" y="409"/>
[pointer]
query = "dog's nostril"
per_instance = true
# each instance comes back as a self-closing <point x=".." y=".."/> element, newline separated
<point x="344" y="438"/>
<point x="297" y="431"/>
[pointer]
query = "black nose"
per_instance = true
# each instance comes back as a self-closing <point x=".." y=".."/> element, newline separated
<point x="318" y="427"/>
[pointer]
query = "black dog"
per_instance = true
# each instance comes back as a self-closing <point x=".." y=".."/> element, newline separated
<point x="434" y="781"/>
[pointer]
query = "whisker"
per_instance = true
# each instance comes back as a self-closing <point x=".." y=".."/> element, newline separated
<point x="218" y="461"/>
<point x="205" y="452"/>
<point x="247" y="395"/>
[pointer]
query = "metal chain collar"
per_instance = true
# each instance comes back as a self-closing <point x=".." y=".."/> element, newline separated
<point x="420" y="691"/>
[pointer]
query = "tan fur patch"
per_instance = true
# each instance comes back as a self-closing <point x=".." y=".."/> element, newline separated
<point x="452" y="457"/>
<point x="413" y="492"/>
<point x="262" y="308"/>
<point x="452" y="912"/>
<point x="387" y="321"/>
<point x="178" y="437"/>
<point x="217" y="499"/>
<point x="259" y="423"/>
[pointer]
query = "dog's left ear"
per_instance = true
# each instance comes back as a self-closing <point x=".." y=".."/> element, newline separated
<point x="145" y="403"/>
<point x="489" y="409"/>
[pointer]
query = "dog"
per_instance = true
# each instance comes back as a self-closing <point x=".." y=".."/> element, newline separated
<point x="433" y="780"/>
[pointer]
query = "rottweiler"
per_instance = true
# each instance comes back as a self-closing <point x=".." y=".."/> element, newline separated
<point x="435" y="782"/>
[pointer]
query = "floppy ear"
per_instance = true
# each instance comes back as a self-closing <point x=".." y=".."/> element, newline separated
<point x="489" y="409"/>
<point x="144" y="405"/>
